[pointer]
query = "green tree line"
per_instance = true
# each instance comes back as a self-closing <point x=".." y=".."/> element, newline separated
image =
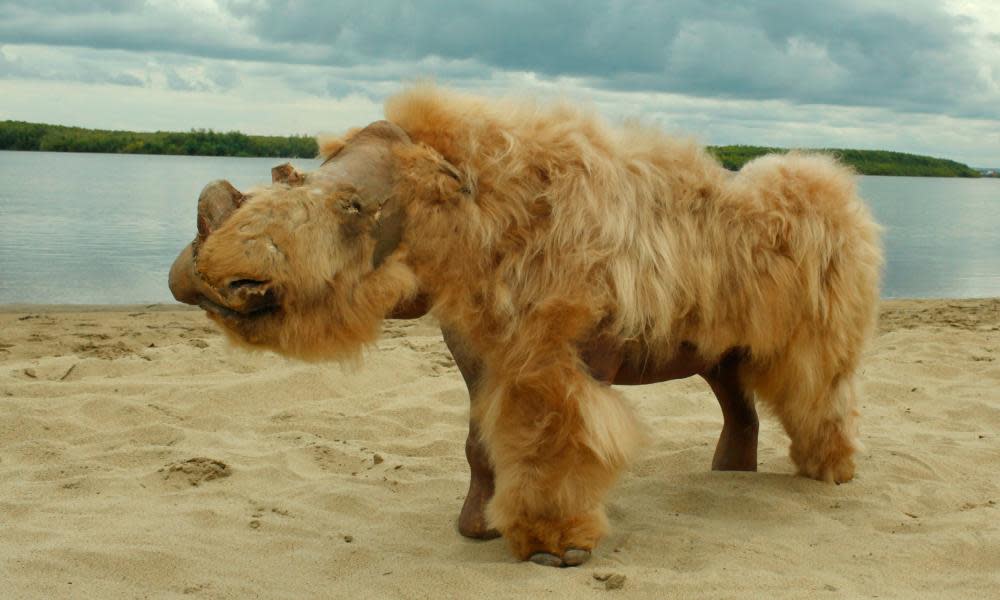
<point x="866" y="162"/>
<point x="20" y="135"/>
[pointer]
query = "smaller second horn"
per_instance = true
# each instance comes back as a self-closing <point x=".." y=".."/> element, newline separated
<point x="287" y="174"/>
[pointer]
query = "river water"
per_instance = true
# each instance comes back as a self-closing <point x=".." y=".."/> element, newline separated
<point x="104" y="228"/>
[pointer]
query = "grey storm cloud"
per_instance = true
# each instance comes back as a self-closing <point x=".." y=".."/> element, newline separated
<point x="82" y="71"/>
<point x="124" y="26"/>
<point x="910" y="55"/>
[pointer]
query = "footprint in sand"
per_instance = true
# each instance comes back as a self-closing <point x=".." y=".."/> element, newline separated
<point x="195" y="471"/>
<point x="437" y="363"/>
<point x="105" y="351"/>
<point x="394" y="329"/>
<point x="94" y="336"/>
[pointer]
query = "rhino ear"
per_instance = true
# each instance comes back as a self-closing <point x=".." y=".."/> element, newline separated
<point x="463" y="180"/>
<point x="387" y="230"/>
<point x="454" y="184"/>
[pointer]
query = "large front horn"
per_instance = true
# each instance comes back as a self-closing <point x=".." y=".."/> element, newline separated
<point x="217" y="201"/>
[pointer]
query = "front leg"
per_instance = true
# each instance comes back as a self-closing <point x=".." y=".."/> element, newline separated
<point x="472" y="519"/>
<point x="557" y="438"/>
<point x="558" y="443"/>
<point x="602" y="356"/>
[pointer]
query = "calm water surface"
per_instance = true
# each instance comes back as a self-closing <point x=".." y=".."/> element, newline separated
<point x="104" y="229"/>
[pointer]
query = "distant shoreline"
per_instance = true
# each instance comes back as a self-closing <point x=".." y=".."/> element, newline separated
<point x="865" y="162"/>
<point x="25" y="136"/>
<point x="21" y="135"/>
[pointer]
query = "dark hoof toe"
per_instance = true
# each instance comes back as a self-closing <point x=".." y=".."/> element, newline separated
<point x="574" y="557"/>
<point x="478" y="533"/>
<point x="546" y="560"/>
<point x="571" y="558"/>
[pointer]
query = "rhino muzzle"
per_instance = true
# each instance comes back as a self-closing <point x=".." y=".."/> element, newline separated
<point x="237" y="298"/>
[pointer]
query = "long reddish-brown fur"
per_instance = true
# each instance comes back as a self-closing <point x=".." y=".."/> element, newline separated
<point x="559" y="224"/>
<point x="574" y="223"/>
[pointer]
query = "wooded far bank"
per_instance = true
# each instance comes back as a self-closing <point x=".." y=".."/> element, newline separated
<point x="21" y="135"/>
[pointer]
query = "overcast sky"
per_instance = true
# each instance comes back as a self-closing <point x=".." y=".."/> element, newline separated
<point x="910" y="75"/>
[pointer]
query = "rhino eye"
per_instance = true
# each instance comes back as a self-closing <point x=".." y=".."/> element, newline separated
<point x="352" y="206"/>
<point x="273" y="248"/>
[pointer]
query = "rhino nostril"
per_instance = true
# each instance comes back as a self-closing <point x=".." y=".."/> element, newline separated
<point x="246" y="284"/>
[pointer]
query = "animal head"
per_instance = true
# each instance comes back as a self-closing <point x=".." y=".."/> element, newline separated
<point x="310" y="265"/>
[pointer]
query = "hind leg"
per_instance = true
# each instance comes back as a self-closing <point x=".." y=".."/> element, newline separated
<point x="823" y="429"/>
<point x="737" y="447"/>
<point x="472" y="519"/>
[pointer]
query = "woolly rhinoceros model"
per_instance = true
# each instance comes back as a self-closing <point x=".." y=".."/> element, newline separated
<point x="560" y="255"/>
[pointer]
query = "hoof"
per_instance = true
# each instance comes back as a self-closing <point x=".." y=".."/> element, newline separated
<point x="571" y="558"/>
<point x="472" y="520"/>
<point x="837" y="470"/>
<point x="477" y="532"/>
<point x="546" y="560"/>
<point x="575" y="557"/>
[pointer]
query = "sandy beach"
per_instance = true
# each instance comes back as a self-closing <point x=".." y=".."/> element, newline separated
<point x="142" y="457"/>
